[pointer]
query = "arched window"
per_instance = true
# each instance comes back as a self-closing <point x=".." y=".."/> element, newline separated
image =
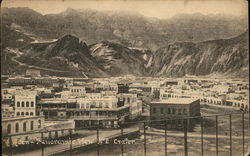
<point x="128" y="100"/>
<point x="24" y="126"/>
<point x="18" y="114"/>
<point x="82" y="105"/>
<point x="17" y="127"/>
<point x="93" y="104"/>
<point x="22" y="113"/>
<point x="27" y="104"/>
<point x="8" y="129"/>
<point x="27" y="113"/>
<point x="31" y="125"/>
<point x="18" y="104"/>
<point x="22" y="104"/>
<point x="32" y="104"/>
<point x="39" y="123"/>
<point x="31" y="113"/>
<point x="100" y="104"/>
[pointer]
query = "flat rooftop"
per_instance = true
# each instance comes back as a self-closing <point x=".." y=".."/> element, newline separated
<point x="175" y="101"/>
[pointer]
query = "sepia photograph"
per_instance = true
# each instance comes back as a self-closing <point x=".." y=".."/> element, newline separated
<point x="125" y="78"/>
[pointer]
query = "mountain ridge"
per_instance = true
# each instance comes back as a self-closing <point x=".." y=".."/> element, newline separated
<point x="133" y="30"/>
<point x="223" y="57"/>
<point x="113" y="44"/>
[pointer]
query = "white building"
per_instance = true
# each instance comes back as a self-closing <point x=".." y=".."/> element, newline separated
<point x="77" y="91"/>
<point x="97" y="102"/>
<point x="22" y="126"/>
<point x="25" y="103"/>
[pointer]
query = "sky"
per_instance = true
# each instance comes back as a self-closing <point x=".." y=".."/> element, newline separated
<point x="150" y="8"/>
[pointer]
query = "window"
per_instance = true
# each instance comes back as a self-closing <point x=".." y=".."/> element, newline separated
<point x="22" y="113"/>
<point x="179" y="111"/>
<point x="8" y="129"/>
<point x="31" y="125"/>
<point x="154" y="110"/>
<point x="173" y="110"/>
<point x="24" y="126"/>
<point x="184" y="111"/>
<point x="27" y="104"/>
<point x="17" y="127"/>
<point x="18" y="104"/>
<point x="82" y="105"/>
<point x="39" y="123"/>
<point x="128" y="100"/>
<point x="169" y="111"/>
<point x="100" y="104"/>
<point x="22" y="104"/>
<point x="162" y="110"/>
<point x="32" y="104"/>
<point x="27" y="113"/>
<point x="18" y="114"/>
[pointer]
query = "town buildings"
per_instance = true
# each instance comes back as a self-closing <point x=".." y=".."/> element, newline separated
<point x="66" y="103"/>
<point x="93" y="109"/>
<point x="175" y="108"/>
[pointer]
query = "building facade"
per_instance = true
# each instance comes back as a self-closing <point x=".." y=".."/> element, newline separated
<point x="175" y="108"/>
<point x="25" y="103"/>
<point x="20" y="128"/>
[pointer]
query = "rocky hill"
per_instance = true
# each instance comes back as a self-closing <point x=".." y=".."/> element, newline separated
<point x="98" y="60"/>
<point x="120" y="60"/>
<point x="223" y="57"/>
<point x="65" y="54"/>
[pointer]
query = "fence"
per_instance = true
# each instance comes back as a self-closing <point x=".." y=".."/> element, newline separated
<point x="226" y="134"/>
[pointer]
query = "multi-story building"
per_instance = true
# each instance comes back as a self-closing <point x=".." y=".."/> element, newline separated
<point x="22" y="81"/>
<point x="6" y="96"/>
<point x="123" y="88"/>
<point x="25" y="103"/>
<point x="135" y="105"/>
<point x="88" y="111"/>
<point x="77" y="91"/>
<point x="175" y="108"/>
